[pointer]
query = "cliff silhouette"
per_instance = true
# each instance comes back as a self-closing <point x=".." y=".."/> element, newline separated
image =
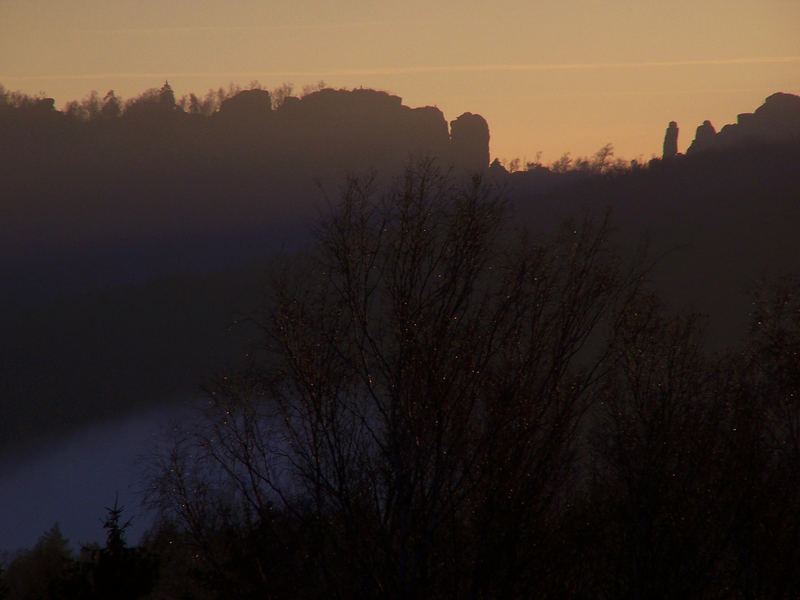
<point x="324" y="130"/>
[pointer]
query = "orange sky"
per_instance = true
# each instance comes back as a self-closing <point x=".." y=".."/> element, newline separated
<point x="548" y="76"/>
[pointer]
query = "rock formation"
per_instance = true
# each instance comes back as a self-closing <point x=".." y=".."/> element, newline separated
<point x="340" y="131"/>
<point x="247" y="104"/>
<point x="703" y="138"/>
<point x="671" y="140"/>
<point x="775" y="121"/>
<point x="469" y="140"/>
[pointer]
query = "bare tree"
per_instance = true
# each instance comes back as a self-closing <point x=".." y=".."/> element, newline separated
<point x="425" y="374"/>
<point x="765" y="446"/>
<point x="661" y="473"/>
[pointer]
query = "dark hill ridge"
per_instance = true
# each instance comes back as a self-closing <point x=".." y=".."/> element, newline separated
<point x="333" y="129"/>
<point x="134" y="233"/>
<point x="716" y="222"/>
<point x="122" y="181"/>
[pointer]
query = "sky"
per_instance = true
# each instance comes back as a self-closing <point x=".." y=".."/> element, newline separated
<point x="550" y="77"/>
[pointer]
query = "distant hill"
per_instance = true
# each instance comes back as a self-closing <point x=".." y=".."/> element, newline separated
<point x="131" y="241"/>
<point x="159" y="187"/>
<point x="132" y="233"/>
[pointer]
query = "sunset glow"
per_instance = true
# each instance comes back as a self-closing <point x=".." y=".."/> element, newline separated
<point x="548" y="76"/>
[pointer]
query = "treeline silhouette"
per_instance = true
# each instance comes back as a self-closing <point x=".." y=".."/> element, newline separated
<point x="442" y="404"/>
<point x="50" y="570"/>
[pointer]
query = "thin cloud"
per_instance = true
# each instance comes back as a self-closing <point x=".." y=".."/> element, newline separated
<point x="565" y="66"/>
<point x="418" y="70"/>
<point x="651" y="93"/>
<point x="231" y="28"/>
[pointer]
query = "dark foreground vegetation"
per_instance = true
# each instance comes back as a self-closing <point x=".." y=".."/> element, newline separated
<point x="442" y="405"/>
